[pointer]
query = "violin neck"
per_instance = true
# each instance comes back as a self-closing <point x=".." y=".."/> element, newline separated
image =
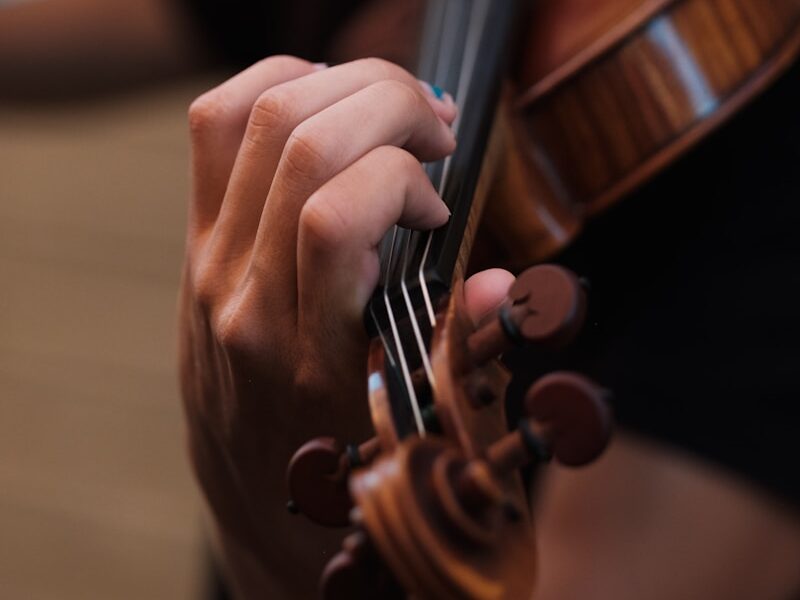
<point x="463" y="50"/>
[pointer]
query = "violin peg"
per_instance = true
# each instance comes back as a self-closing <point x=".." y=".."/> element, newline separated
<point x="547" y="307"/>
<point x="317" y="483"/>
<point x="566" y="416"/>
<point x="357" y="572"/>
<point x="317" y="479"/>
<point x="571" y="416"/>
<point x="342" y="578"/>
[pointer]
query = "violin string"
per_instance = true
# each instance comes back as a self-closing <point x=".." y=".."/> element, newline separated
<point x="445" y="40"/>
<point x="469" y="58"/>
<point x="477" y="16"/>
<point x="412" y="394"/>
<point x="405" y="244"/>
<point x="403" y="240"/>
<point x="373" y="315"/>
<point x="444" y="19"/>
<point x="423" y="351"/>
<point x="384" y="341"/>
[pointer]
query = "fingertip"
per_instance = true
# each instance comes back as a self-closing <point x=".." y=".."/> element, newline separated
<point x="443" y="213"/>
<point x="426" y="215"/>
<point x="446" y="109"/>
<point x="485" y="292"/>
<point x="450" y="136"/>
<point x="442" y="102"/>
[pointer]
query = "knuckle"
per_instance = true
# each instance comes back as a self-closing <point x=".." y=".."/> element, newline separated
<point x="383" y="68"/>
<point x="322" y="222"/>
<point x="407" y="97"/>
<point x="393" y="163"/>
<point x="204" y="283"/>
<point x="305" y="155"/>
<point x="285" y="62"/>
<point x="307" y="380"/>
<point x="206" y="113"/>
<point x="230" y="334"/>
<point x="271" y="111"/>
<point x="233" y="332"/>
<point x="402" y="161"/>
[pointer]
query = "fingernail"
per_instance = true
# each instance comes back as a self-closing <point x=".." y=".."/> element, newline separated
<point x="447" y="208"/>
<point x="436" y="92"/>
<point x="320" y="66"/>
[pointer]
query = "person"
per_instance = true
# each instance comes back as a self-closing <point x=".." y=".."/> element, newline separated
<point x="281" y="261"/>
<point x="286" y="208"/>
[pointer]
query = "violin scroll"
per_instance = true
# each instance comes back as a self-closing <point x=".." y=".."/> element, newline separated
<point x="444" y="513"/>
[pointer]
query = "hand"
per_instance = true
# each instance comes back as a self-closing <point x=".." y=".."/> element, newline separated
<point x="298" y="172"/>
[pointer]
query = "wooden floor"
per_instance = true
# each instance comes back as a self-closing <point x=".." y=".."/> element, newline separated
<point x="95" y="496"/>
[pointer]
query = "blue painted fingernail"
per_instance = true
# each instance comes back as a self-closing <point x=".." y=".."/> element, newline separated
<point x="433" y="90"/>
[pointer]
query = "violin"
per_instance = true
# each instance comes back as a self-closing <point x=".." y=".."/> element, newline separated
<point x="565" y="108"/>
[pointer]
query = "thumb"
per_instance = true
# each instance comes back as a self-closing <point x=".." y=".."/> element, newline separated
<point x="484" y="292"/>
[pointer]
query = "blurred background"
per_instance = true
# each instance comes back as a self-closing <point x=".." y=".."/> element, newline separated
<point x="96" y="500"/>
<point x="96" y="497"/>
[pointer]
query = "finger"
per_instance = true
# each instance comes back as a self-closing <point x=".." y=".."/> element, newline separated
<point x="386" y="113"/>
<point x="340" y="228"/>
<point x="484" y="292"/>
<point x="217" y="122"/>
<point x="275" y="114"/>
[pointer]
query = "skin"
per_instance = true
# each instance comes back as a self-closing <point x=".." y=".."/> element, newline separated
<point x="281" y="260"/>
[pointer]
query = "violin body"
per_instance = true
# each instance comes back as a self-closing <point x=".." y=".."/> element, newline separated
<point x="607" y="94"/>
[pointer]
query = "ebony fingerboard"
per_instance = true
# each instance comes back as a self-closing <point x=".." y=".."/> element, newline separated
<point x="463" y="51"/>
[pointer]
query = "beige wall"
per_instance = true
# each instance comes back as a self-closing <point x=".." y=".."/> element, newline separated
<point x="95" y="497"/>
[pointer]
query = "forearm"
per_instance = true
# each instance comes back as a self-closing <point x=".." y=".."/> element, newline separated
<point x="68" y="47"/>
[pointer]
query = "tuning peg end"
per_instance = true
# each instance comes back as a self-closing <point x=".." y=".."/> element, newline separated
<point x="572" y="414"/>
<point x="317" y="479"/>
<point x="546" y="308"/>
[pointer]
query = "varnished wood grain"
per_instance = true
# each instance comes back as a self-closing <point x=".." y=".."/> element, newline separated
<point x="627" y="102"/>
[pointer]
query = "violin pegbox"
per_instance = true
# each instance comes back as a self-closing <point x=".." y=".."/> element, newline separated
<point x="448" y="512"/>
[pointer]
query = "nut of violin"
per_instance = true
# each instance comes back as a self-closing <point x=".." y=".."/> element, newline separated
<point x="317" y="482"/>
<point x="573" y="416"/>
<point x="548" y="306"/>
